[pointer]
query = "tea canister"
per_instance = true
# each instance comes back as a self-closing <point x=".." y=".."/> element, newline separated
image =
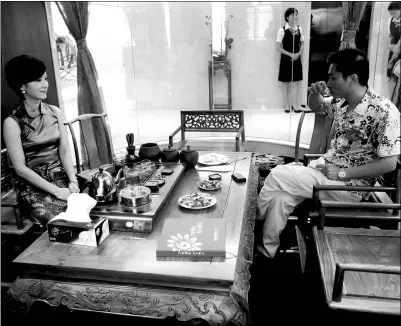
<point x="150" y="151"/>
<point x="189" y="156"/>
<point x="170" y="154"/>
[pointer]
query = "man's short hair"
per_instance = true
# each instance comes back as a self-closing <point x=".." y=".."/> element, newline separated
<point x="395" y="5"/>
<point x="289" y="12"/>
<point x="351" y="61"/>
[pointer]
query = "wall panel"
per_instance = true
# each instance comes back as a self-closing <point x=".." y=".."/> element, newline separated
<point x="24" y="30"/>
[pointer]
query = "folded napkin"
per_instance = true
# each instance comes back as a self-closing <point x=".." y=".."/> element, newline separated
<point x="216" y="168"/>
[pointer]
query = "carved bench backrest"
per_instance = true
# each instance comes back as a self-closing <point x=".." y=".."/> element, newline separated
<point x="206" y="120"/>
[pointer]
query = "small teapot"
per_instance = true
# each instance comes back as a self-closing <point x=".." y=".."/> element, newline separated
<point x="189" y="156"/>
<point x="103" y="187"/>
<point x="170" y="154"/>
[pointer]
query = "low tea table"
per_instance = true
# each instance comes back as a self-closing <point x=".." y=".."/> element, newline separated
<point x="123" y="276"/>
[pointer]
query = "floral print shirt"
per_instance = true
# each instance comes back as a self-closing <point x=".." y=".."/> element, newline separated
<point x="363" y="135"/>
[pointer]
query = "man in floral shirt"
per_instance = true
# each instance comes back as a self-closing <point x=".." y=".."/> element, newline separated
<point x="365" y="145"/>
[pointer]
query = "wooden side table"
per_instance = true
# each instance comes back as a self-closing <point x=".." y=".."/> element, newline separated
<point x="226" y="67"/>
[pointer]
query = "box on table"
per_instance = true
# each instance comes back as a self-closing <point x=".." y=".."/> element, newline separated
<point x="78" y="233"/>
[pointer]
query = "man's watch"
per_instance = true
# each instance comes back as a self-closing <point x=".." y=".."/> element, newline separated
<point x="341" y="174"/>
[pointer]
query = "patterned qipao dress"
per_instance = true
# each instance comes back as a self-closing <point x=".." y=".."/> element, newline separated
<point x="40" y="138"/>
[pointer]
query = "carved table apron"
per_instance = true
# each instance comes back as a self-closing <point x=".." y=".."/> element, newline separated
<point x="218" y="305"/>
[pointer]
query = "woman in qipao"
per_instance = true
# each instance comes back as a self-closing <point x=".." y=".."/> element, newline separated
<point x="37" y="144"/>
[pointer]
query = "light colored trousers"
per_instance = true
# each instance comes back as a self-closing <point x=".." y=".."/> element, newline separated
<point x="285" y="187"/>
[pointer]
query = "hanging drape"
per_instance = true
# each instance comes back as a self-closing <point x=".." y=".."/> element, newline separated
<point x="352" y="15"/>
<point x="76" y="18"/>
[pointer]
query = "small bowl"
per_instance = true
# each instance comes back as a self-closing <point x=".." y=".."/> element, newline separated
<point x="215" y="176"/>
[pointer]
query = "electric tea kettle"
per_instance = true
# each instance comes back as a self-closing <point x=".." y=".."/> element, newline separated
<point x="103" y="187"/>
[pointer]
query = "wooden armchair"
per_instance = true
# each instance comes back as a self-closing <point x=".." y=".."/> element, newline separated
<point x="212" y="121"/>
<point x="382" y="197"/>
<point x="89" y="130"/>
<point x="16" y="224"/>
<point x="364" y="275"/>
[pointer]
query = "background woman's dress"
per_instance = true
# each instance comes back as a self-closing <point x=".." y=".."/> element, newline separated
<point x="291" y="43"/>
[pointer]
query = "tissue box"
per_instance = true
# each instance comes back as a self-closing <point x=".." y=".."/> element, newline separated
<point x="78" y="233"/>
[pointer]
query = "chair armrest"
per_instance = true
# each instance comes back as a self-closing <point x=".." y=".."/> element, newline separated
<point x="307" y="158"/>
<point x="357" y="205"/>
<point x="240" y="130"/>
<point x="352" y="188"/>
<point x="170" y="138"/>
<point x="322" y="205"/>
<point x="318" y="188"/>
<point x="237" y="146"/>
<point x="370" y="268"/>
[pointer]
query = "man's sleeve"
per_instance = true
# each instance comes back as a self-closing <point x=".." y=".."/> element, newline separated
<point x="329" y="105"/>
<point x="389" y="133"/>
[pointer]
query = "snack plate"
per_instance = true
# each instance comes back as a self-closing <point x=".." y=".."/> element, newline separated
<point x="202" y="186"/>
<point x="213" y="159"/>
<point x="181" y="202"/>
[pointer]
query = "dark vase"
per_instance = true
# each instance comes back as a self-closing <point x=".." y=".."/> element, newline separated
<point x="150" y="151"/>
<point x="189" y="157"/>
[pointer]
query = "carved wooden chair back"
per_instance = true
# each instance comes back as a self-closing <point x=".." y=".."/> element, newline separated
<point x="90" y="133"/>
<point x="211" y="121"/>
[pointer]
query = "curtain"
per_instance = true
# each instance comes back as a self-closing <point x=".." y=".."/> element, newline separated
<point x="352" y="14"/>
<point x="76" y="18"/>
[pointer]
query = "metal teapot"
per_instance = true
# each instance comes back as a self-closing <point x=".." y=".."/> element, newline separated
<point x="103" y="187"/>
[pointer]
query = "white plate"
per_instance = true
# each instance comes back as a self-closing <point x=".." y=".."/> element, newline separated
<point x="212" y="202"/>
<point x="200" y="184"/>
<point x="213" y="159"/>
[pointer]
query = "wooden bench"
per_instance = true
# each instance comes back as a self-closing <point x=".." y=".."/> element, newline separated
<point x="212" y="121"/>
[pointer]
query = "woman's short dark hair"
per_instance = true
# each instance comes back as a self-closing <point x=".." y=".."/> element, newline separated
<point x="395" y="5"/>
<point x="21" y="70"/>
<point x="289" y="12"/>
<point x="351" y="61"/>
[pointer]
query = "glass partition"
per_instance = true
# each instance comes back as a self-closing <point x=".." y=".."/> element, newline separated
<point x="155" y="59"/>
<point x="250" y="29"/>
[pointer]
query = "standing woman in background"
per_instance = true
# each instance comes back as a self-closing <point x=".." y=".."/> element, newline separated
<point x="290" y="42"/>
<point x="37" y="145"/>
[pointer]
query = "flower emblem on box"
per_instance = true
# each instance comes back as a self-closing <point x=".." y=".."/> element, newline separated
<point x="184" y="243"/>
<point x="55" y="231"/>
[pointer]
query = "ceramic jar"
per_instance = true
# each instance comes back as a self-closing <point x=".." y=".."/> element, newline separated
<point x="189" y="156"/>
<point x="150" y="151"/>
<point x="170" y="154"/>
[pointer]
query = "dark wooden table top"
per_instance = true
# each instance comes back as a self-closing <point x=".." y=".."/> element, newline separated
<point x="122" y="257"/>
